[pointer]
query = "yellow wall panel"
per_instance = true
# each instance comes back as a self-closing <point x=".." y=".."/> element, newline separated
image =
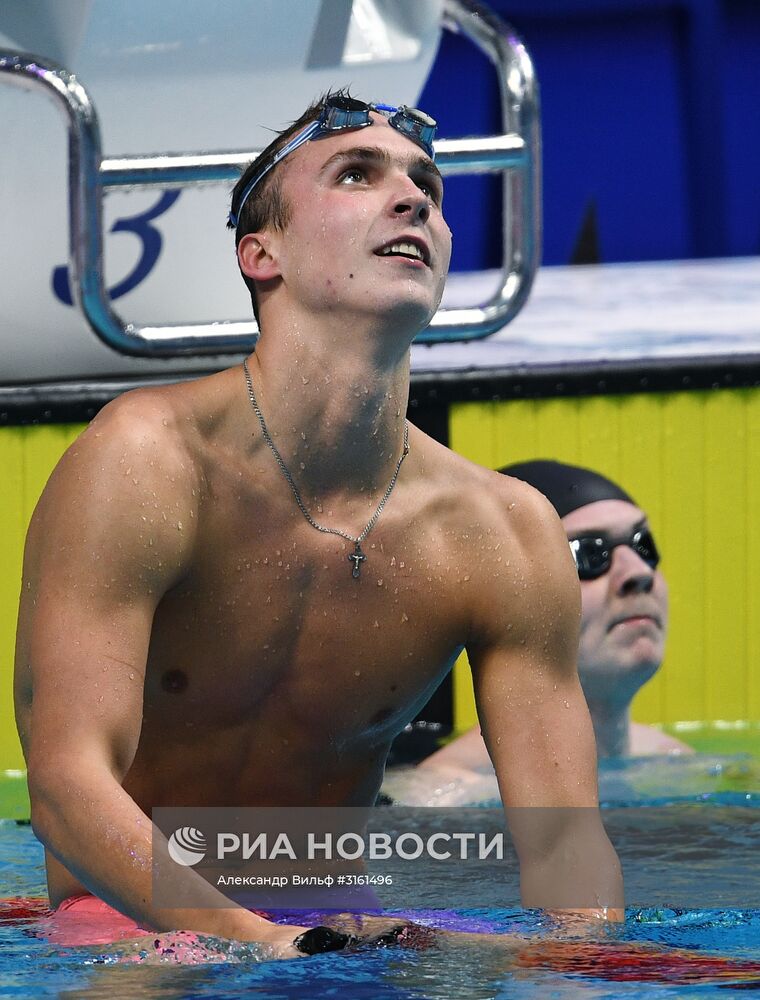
<point x="552" y="413"/>
<point x="464" y="696"/>
<point x="11" y="552"/>
<point x="751" y="461"/>
<point x="691" y="460"/>
<point x="724" y="598"/>
<point x="27" y="457"/>
<point x="681" y="528"/>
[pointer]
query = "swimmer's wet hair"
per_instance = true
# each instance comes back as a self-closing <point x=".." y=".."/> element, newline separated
<point x="266" y="207"/>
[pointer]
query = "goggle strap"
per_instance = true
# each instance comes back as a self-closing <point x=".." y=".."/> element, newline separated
<point x="287" y="149"/>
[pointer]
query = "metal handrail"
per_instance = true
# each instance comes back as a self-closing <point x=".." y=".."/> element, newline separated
<point x="516" y="152"/>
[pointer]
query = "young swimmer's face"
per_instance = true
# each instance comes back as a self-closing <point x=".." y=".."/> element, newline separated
<point x="625" y="611"/>
<point x="352" y="196"/>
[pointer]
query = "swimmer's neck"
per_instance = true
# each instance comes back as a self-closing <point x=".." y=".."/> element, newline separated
<point x="340" y="413"/>
<point x="612" y="729"/>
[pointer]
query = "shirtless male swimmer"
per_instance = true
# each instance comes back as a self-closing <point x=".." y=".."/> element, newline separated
<point x="188" y="637"/>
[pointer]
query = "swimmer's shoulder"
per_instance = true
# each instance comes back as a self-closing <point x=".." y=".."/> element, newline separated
<point x="514" y="545"/>
<point x="136" y="451"/>
<point x="171" y="423"/>
<point x="142" y="427"/>
<point x="647" y="741"/>
<point x="497" y="502"/>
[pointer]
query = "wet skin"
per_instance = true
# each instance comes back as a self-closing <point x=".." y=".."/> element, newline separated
<point x="625" y="611"/>
<point x="272" y="676"/>
<point x="187" y="638"/>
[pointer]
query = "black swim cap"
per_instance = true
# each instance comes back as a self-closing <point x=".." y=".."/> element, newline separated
<point x="567" y="487"/>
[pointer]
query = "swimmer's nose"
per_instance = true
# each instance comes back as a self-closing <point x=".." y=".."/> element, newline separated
<point x="410" y="200"/>
<point x="632" y="574"/>
<point x="416" y="208"/>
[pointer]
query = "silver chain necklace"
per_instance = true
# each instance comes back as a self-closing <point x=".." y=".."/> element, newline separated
<point x="356" y="557"/>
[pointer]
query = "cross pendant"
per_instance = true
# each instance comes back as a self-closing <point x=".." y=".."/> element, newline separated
<point x="357" y="557"/>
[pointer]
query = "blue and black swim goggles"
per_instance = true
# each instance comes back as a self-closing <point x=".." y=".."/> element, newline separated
<point x="593" y="553"/>
<point x="339" y="114"/>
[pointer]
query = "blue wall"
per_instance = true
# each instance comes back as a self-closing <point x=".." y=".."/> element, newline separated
<point x="651" y="128"/>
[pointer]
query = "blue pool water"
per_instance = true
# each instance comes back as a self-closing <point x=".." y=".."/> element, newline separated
<point x="471" y="970"/>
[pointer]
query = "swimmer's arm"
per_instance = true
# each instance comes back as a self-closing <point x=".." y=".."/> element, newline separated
<point x="104" y="545"/>
<point x="535" y="721"/>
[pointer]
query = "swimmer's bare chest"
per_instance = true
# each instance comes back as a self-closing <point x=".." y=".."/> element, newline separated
<point x="271" y="651"/>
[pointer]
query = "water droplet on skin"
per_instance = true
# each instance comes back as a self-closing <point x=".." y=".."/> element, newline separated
<point x="404" y="617"/>
<point x="379" y="583"/>
<point x="566" y="704"/>
<point x="357" y="673"/>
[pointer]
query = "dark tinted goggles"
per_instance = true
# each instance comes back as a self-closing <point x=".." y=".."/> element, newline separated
<point x="593" y="553"/>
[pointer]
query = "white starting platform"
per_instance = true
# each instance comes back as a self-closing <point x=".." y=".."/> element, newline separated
<point x="609" y="316"/>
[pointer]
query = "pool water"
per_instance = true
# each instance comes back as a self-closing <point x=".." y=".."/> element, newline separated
<point x="473" y="968"/>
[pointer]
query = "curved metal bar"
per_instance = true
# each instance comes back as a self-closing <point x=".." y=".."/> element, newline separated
<point x="86" y="228"/>
<point x="521" y="211"/>
<point x="516" y="152"/>
<point x="453" y="156"/>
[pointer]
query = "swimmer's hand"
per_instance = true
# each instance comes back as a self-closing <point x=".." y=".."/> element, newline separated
<point x="317" y="940"/>
<point x="345" y="930"/>
<point x="371" y="930"/>
<point x="279" y="940"/>
<point x="271" y="940"/>
<point x="288" y="941"/>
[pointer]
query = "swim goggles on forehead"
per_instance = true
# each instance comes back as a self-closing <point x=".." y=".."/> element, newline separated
<point x="339" y="114"/>
<point x="593" y="553"/>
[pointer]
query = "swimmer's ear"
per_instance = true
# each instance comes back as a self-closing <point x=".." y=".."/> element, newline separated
<point x="257" y="256"/>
